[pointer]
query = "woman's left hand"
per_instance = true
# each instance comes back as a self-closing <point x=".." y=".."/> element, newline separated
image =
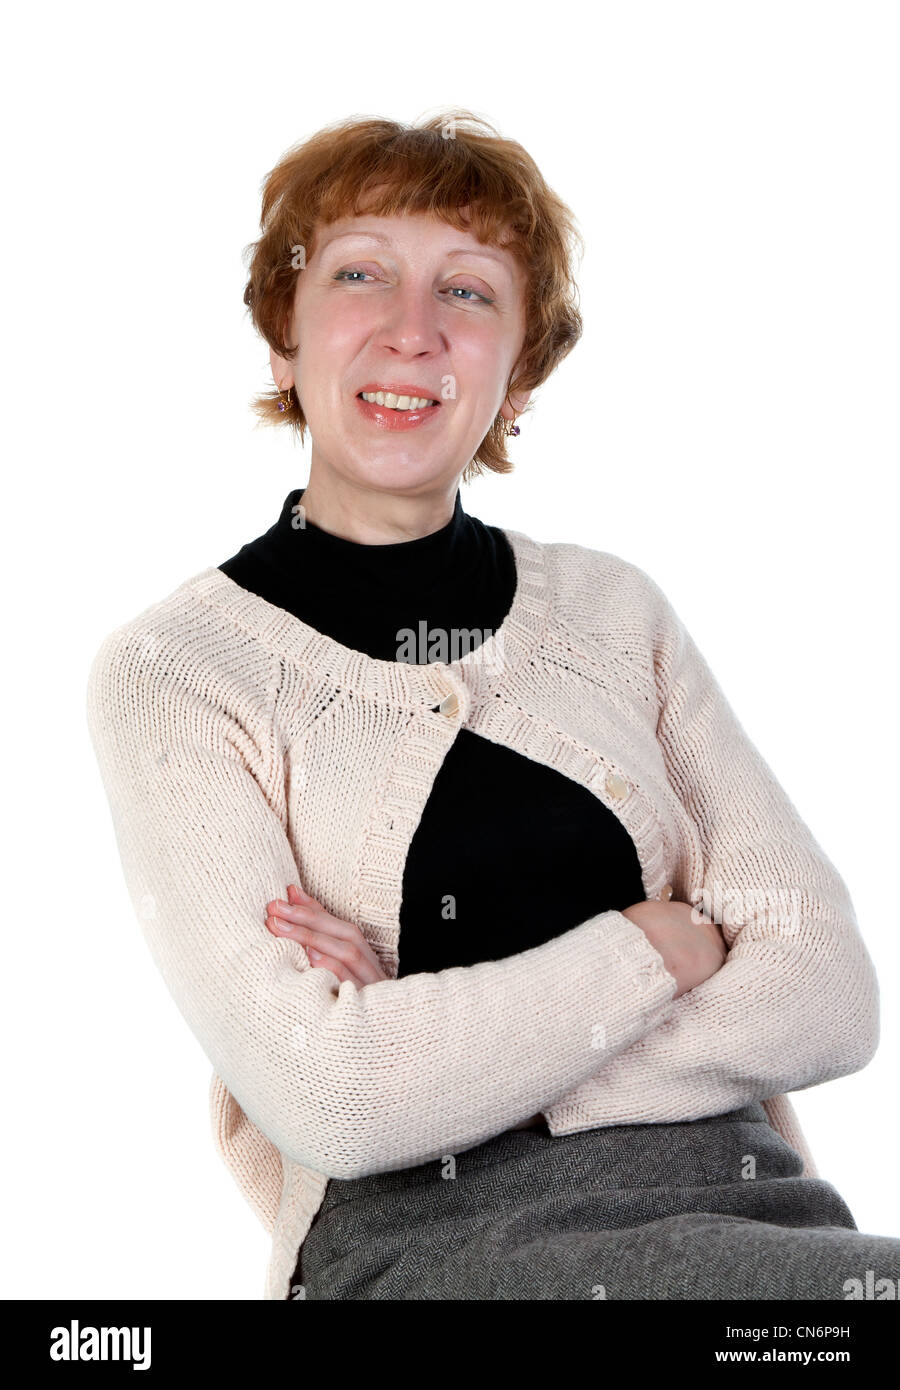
<point x="338" y="946"/>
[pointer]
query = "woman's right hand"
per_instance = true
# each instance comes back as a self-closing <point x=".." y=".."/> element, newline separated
<point x="691" y="944"/>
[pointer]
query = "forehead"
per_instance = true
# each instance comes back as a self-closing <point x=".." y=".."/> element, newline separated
<point x="410" y="230"/>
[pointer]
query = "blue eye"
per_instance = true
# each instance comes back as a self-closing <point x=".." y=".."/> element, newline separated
<point x="462" y="289"/>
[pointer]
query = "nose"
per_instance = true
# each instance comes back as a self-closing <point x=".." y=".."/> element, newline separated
<point x="411" y="323"/>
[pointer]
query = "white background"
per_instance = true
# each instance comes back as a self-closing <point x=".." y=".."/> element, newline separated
<point x="729" y="423"/>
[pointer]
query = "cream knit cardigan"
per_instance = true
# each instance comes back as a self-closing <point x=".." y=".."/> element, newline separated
<point x="242" y="750"/>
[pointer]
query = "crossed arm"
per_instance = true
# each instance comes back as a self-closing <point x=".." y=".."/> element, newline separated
<point x="352" y="1080"/>
<point x="795" y="1001"/>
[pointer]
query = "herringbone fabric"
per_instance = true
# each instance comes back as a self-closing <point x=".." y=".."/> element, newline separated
<point x="704" y="1209"/>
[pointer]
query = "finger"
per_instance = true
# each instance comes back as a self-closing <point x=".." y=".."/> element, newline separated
<point x="292" y="912"/>
<point x="322" y="962"/>
<point x="313" y="926"/>
<point x="301" y="910"/>
<point x="362" y="969"/>
<point x="343" y="938"/>
<point x="279" y="927"/>
<point x="362" y="972"/>
<point x="314" y="919"/>
<point x="347" y="953"/>
<point x="297" y="931"/>
<point x="314" y="915"/>
<point x="288" y="932"/>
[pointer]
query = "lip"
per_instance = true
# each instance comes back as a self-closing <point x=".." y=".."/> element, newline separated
<point x="402" y="388"/>
<point x="390" y="421"/>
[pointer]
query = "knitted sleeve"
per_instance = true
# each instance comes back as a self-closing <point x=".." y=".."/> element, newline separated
<point x="344" y="1081"/>
<point x="796" y="1001"/>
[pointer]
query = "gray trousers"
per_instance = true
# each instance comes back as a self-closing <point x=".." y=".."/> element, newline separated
<point x="701" y="1209"/>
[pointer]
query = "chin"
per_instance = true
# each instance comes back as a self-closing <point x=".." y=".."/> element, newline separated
<point x="402" y="469"/>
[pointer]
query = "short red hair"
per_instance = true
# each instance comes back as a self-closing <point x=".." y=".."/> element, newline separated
<point x="453" y="160"/>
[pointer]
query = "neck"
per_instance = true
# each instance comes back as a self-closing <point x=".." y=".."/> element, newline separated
<point x="371" y="515"/>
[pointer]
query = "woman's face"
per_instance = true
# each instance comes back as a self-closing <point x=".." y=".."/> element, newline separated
<point x="405" y="301"/>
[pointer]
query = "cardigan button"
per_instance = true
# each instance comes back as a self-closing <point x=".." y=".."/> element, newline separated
<point x="616" y="785"/>
<point x="450" y="703"/>
<point x="666" y="892"/>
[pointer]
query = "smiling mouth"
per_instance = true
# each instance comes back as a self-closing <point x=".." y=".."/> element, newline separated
<point x="390" y="401"/>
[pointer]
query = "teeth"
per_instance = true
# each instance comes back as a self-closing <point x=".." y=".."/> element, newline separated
<point x="396" y="402"/>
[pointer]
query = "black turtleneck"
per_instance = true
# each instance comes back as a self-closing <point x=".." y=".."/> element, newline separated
<point x="525" y="852"/>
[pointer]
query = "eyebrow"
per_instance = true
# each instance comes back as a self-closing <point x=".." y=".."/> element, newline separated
<point x="453" y="251"/>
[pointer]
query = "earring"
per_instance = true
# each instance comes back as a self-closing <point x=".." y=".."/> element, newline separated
<point x="511" y="429"/>
<point x="281" y="404"/>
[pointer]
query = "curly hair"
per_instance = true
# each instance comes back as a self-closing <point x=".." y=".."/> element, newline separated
<point x="452" y="161"/>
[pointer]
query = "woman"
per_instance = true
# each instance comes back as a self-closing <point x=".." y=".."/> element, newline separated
<point x="502" y="939"/>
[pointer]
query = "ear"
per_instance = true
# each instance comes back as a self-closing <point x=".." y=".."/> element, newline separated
<point x="282" y="370"/>
<point x="510" y="411"/>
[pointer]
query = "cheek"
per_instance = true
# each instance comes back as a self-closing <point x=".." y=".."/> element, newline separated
<point x="331" y="336"/>
<point x="343" y="323"/>
<point x="481" y="350"/>
<point x="326" y="362"/>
